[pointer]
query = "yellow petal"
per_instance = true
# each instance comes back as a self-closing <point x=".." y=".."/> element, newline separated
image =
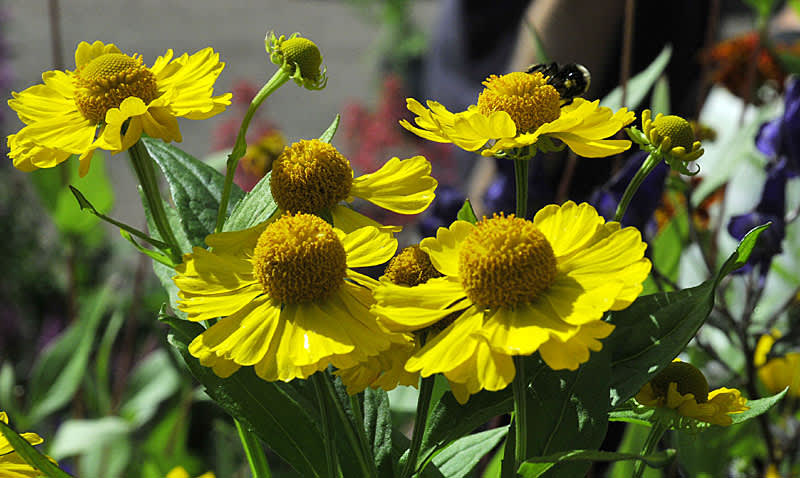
<point x="86" y="52"/>
<point x="368" y="246"/>
<point x="403" y="309"/>
<point x="568" y="228"/>
<point x="403" y="186"/>
<point x="445" y="247"/>
<point x="348" y="220"/>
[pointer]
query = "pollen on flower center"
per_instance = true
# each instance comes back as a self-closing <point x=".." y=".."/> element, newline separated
<point x="310" y="176"/>
<point x="505" y="261"/>
<point x="106" y="81"/>
<point x="688" y="378"/>
<point x="528" y="98"/>
<point x="677" y="129"/>
<point x="299" y="259"/>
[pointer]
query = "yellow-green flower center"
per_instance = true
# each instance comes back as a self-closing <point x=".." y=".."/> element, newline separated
<point x="528" y="98"/>
<point x="505" y="261"/>
<point x="688" y="378"/>
<point x="106" y="81"/>
<point x="677" y="129"/>
<point x="411" y="267"/>
<point x="310" y="176"/>
<point x="299" y="259"/>
<point x="305" y="54"/>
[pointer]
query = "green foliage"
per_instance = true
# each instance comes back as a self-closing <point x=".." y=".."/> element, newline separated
<point x="537" y="466"/>
<point x="458" y="459"/>
<point x="378" y="429"/>
<point x="466" y="213"/>
<point x="639" y="85"/>
<point x="31" y="455"/>
<point x="327" y="135"/>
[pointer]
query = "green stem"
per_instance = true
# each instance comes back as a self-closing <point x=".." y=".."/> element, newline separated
<point x="327" y="424"/>
<point x="259" y="467"/>
<point x="358" y="447"/>
<point x="423" y="405"/>
<point x="648" y="165"/>
<point x="521" y="179"/>
<point x="240" y="147"/>
<point x="145" y="172"/>
<point x="519" y="388"/>
<point x="656" y="432"/>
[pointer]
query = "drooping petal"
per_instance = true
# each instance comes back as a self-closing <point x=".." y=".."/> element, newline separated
<point x="402" y="309"/>
<point x="368" y="246"/>
<point x="403" y="186"/>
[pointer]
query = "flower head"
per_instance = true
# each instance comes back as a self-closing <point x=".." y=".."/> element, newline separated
<point x="109" y="101"/>
<point x="780" y="138"/>
<point x="313" y="176"/>
<point x="298" y="56"/>
<point x="520" y="110"/>
<point x="779" y="372"/>
<point x="11" y="463"/>
<point x="681" y="389"/>
<point x="180" y="472"/>
<point x="669" y="137"/>
<point x="257" y="160"/>
<point x="289" y="302"/>
<point x="514" y="287"/>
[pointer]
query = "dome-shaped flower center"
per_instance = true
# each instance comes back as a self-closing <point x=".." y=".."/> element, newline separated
<point x="676" y="128"/>
<point x="299" y="259"/>
<point x="688" y="378"/>
<point x="505" y="261"/>
<point x="411" y="267"/>
<point x="310" y="176"/>
<point x="305" y="54"/>
<point x="106" y="81"/>
<point x="528" y="98"/>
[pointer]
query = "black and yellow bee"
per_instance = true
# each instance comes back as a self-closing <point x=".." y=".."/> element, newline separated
<point x="570" y="80"/>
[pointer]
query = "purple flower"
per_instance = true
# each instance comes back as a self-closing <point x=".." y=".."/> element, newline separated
<point x="771" y="208"/>
<point x="780" y="138"/>
<point x="644" y="202"/>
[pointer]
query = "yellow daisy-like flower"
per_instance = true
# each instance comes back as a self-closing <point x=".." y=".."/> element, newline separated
<point x="11" y="464"/>
<point x="180" y="472"/>
<point x="77" y="112"/>
<point x="683" y="388"/>
<point x="777" y="373"/>
<point x="518" y="110"/>
<point x="514" y="287"/>
<point x="313" y="176"/>
<point x="289" y="302"/>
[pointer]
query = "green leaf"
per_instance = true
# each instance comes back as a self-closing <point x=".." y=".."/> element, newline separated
<point x="758" y="407"/>
<point x="31" y="455"/>
<point x="640" y="84"/>
<point x="102" y="361"/>
<point x="450" y="420"/>
<point x="256" y="207"/>
<point x="378" y="429"/>
<point x="155" y="255"/>
<point x="569" y="410"/>
<point x="630" y="416"/>
<point x="153" y="380"/>
<point x="656" y="328"/>
<point x="668" y="245"/>
<point x="458" y="459"/>
<point x="466" y="213"/>
<point x="59" y="371"/>
<point x="327" y="136"/>
<point x="535" y="467"/>
<point x="279" y="420"/>
<point x="77" y="437"/>
<point x="196" y="188"/>
<point x="8" y="383"/>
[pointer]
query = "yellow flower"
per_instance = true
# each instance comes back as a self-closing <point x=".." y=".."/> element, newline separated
<point x="180" y="472"/>
<point x="289" y="302"/>
<point x="312" y="176"/>
<point x="77" y="112"/>
<point x="683" y="388"/>
<point x="518" y="110"/>
<point x="11" y="464"/>
<point x="673" y="135"/>
<point x="513" y="287"/>
<point x="777" y="373"/>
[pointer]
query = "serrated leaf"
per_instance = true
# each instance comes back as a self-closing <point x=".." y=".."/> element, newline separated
<point x="327" y="136"/>
<point x="466" y="213"/>
<point x="639" y="84"/>
<point x="758" y="407"/>
<point x="59" y="371"/>
<point x="378" y="429"/>
<point x="196" y="188"/>
<point x="656" y="328"/>
<point x="31" y="455"/>
<point x="266" y="408"/>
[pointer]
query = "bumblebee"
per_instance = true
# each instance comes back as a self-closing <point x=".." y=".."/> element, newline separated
<point x="570" y="80"/>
